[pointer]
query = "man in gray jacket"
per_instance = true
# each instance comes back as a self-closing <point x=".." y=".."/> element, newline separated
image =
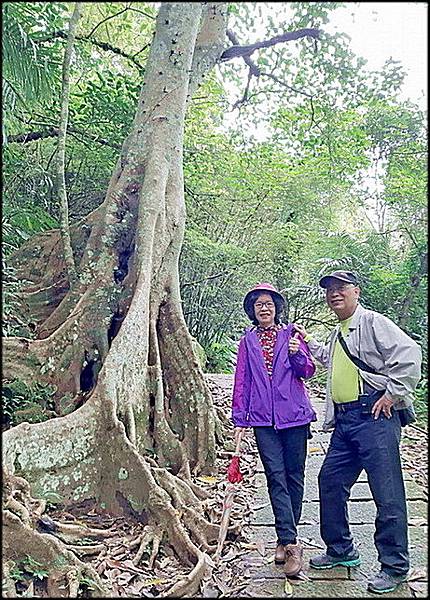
<point x="373" y="369"/>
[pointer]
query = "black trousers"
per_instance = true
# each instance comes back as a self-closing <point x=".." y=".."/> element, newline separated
<point x="361" y="442"/>
<point x="283" y="454"/>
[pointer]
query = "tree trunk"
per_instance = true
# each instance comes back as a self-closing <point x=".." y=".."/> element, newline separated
<point x="61" y="147"/>
<point x="116" y="342"/>
<point x="415" y="280"/>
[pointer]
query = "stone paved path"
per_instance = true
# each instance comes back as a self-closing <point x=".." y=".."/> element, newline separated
<point x="266" y="579"/>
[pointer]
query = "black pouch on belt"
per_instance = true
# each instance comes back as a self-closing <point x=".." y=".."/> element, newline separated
<point x="368" y="400"/>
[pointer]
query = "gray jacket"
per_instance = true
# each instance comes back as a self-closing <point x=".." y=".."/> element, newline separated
<point x="381" y="344"/>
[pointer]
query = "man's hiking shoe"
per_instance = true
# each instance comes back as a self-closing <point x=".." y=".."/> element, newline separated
<point x="383" y="582"/>
<point x="325" y="561"/>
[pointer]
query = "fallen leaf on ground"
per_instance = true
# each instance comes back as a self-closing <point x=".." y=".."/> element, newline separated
<point x="207" y="479"/>
<point x="311" y="542"/>
<point x="252" y="546"/>
<point x="417" y="574"/>
<point x="288" y="589"/>
<point x="419" y="587"/>
<point x="308" y="522"/>
<point x="125" y="578"/>
<point x="260" y="506"/>
<point x="223" y="588"/>
<point x="261" y="547"/>
<point x="154" y="581"/>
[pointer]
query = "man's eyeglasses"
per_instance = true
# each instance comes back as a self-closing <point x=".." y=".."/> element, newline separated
<point x="267" y="304"/>
<point x="339" y="288"/>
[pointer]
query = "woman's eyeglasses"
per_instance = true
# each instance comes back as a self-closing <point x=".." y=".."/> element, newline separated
<point x="267" y="304"/>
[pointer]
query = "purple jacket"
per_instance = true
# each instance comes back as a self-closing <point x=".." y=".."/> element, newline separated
<point x="282" y="401"/>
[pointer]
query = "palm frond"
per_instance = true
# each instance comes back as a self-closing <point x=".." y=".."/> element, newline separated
<point x="23" y="60"/>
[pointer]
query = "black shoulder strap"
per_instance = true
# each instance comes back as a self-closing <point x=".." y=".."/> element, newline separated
<point x="357" y="361"/>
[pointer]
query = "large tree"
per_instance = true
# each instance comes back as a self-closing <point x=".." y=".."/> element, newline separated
<point x="113" y="340"/>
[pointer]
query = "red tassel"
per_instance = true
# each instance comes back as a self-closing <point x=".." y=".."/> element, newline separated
<point x="233" y="472"/>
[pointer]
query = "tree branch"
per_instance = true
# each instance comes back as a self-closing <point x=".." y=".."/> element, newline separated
<point x="107" y="19"/>
<point x="290" y="87"/>
<point x="255" y="71"/>
<point x="235" y="51"/>
<point x="227" y="272"/>
<point x="103" y="45"/>
<point x="31" y="136"/>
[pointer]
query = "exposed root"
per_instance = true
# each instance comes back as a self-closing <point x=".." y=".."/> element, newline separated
<point x="21" y="514"/>
<point x="8" y="584"/>
<point x="17" y="499"/>
<point x="85" y="550"/>
<point x="152" y="534"/>
<point x="184" y="500"/>
<point x="185" y="474"/>
<point x="198" y="491"/>
<point x="18" y="509"/>
<point x="73" y="580"/>
<point x="196" y="521"/>
<point x="155" y="547"/>
<point x="170" y="450"/>
<point x="190" y="584"/>
<point x="135" y="542"/>
<point x="179" y="490"/>
<point x="50" y="553"/>
<point x="185" y="471"/>
<point x="79" y="531"/>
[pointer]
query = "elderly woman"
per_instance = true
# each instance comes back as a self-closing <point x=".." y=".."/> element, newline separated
<point x="270" y="396"/>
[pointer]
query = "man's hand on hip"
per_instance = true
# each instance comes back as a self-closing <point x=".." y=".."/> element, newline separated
<point x="384" y="404"/>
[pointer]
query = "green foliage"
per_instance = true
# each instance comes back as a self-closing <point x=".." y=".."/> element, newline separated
<point x="221" y="356"/>
<point x="11" y="298"/>
<point x="29" y="70"/>
<point x="324" y="168"/>
<point x="421" y="402"/>
<point x="31" y="402"/>
<point x="51" y="498"/>
<point x="34" y="567"/>
<point x="17" y="226"/>
<point x="15" y="572"/>
<point x="27" y="567"/>
<point x="88" y="582"/>
<point x="200" y="353"/>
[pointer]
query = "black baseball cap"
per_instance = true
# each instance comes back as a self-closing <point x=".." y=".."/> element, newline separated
<point x="346" y="276"/>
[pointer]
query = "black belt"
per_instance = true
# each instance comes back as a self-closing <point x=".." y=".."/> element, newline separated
<point x="364" y="402"/>
<point x="344" y="406"/>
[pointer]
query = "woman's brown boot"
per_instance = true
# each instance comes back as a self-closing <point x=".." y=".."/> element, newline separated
<point x="293" y="559"/>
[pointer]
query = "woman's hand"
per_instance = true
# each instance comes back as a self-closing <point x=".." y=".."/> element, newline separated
<point x="238" y="433"/>
<point x="300" y="329"/>
<point x="294" y="344"/>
